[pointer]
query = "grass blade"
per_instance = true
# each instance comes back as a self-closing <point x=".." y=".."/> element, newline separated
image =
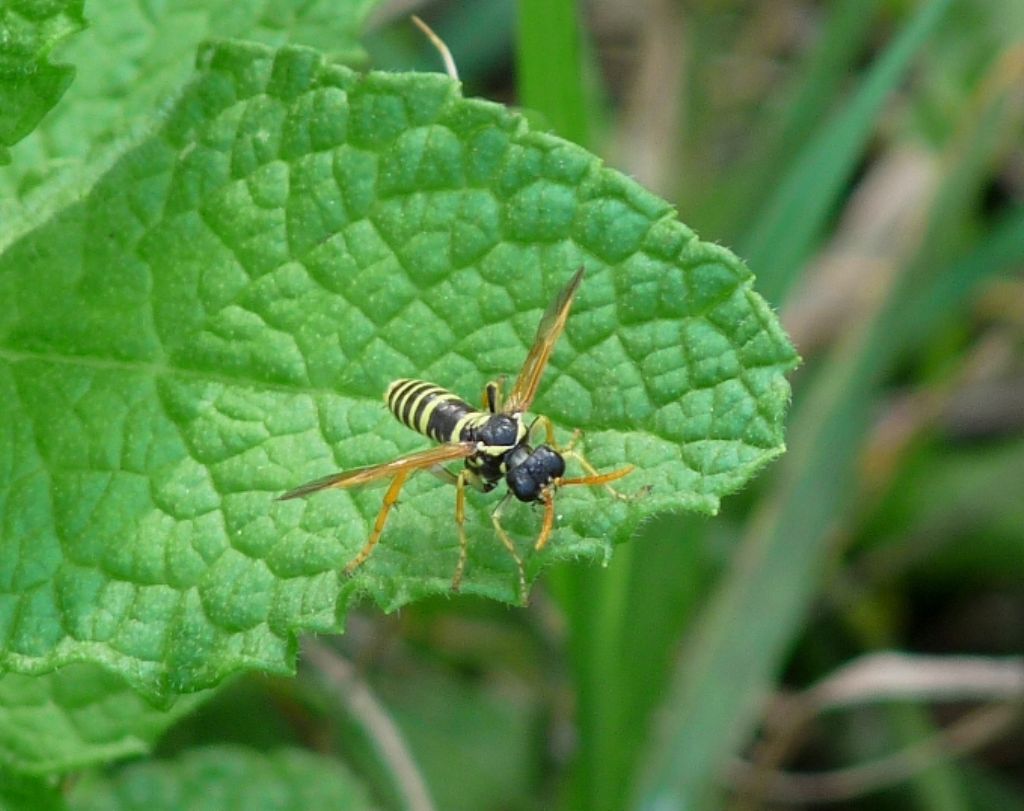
<point x="793" y="217"/>
<point x="548" y="61"/>
<point x="751" y="620"/>
<point x="731" y="204"/>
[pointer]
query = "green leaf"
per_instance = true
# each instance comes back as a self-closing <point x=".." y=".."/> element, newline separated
<point x="224" y="777"/>
<point x="75" y="717"/>
<point x="30" y="84"/>
<point x="21" y="793"/>
<point x="131" y="61"/>
<point x="216" y="321"/>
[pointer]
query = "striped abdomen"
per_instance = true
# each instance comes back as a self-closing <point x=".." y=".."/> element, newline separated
<point x="432" y="410"/>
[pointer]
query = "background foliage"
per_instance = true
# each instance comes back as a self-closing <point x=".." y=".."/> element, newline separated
<point x="863" y="158"/>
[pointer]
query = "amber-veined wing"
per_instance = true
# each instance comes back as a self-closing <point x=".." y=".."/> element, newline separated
<point x="551" y="326"/>
<point x="360" y="476"/>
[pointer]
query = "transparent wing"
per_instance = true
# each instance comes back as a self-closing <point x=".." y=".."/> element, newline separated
<point x="361" y="476"/>
<point x="551" y="326"/>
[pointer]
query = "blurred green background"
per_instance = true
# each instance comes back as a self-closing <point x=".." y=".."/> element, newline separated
<point x="866" y="158"/>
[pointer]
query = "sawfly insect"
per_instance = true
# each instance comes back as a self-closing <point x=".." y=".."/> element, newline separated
<point x="495" y="444"/>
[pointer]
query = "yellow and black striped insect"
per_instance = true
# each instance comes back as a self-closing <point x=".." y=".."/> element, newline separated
<point x="495" y="444"/>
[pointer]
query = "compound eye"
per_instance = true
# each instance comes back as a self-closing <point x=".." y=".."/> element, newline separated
<point x="549" y="463"/>
<point x="556" y="466"/>
<point x="522" y="484"/>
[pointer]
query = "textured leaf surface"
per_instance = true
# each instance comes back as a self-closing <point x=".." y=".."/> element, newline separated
<point x="224" y="777"/>
<point x="30" y="84"/>
<point x="216" y="321"/>
<point x="76" y="717"/>
<point x="130" y="61"/>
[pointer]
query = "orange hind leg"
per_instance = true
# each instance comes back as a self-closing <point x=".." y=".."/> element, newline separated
<point x="390" y="499"/>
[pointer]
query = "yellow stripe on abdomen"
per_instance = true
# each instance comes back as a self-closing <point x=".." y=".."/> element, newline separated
<point x="427" y="409"/>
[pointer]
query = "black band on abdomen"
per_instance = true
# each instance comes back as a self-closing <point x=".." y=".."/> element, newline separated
<point x="444" y="418"/>
<point x="412" y="400"/>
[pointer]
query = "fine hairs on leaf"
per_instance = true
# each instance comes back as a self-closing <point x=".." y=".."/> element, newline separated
<point x="216" y="320"/>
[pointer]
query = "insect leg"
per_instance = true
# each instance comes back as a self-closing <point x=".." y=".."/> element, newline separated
<point x="549" y="435"/>
<point x="390" y="499"/>
<point x="460" y="522"/>
<point x="594" y="478"/>
<point x="549" y="520"/>
<point x="493" y="395"/>
<point x="511" y="547"/>
<point x="549" y="430"/>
